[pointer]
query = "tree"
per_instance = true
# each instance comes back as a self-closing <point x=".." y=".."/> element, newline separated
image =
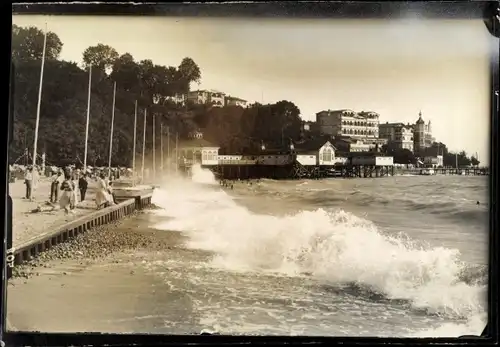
<point x="277" y="123"/>
<point x="188" y="72"/>
<point x="64" y="101"/>
<point x="27" y="44"/>
<point x="474" y="161"/>
<point x="126" y="72"/>
<point x="100" y="56"/>
<point x="400" y="155"/>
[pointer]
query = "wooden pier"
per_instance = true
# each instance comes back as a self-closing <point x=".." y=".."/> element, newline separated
<point x="466" y="171"/>
<point x="294" y="170"/>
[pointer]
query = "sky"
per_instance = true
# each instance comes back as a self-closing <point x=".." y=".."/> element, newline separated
<point x="396" y="68"/>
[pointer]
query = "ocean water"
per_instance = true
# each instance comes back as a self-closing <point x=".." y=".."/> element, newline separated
<point x="396" y="256"/>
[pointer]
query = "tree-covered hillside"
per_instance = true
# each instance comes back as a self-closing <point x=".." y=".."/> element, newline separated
<point x="64" y="105"/>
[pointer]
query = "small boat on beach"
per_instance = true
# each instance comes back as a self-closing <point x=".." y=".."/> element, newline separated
<point x="127" y="188"/>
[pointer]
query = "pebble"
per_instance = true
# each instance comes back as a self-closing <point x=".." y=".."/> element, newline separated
<point x="95" y="244"/>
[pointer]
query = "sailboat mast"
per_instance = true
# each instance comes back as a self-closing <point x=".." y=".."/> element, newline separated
<point x="37" y="122"/>
<point x="176" y="153"/>
<point x="88" y="121"/>
<point x="135" y="140"/>
<point x="168" y="150"/>
<point x="112" y="128"/>
<point x="144" y="145"/>
<point x="161" y="147"/>
<point x="154" y="145"/>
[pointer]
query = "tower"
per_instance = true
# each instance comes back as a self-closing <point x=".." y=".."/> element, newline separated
<point x="419" y="134"/>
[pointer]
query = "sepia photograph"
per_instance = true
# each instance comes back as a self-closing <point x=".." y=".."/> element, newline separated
<point x="236" y="176"/>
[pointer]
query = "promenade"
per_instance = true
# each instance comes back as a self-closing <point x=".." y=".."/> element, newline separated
<point x="27" y="224"/>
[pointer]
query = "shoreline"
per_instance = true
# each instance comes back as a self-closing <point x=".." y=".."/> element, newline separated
<point x="88" y="274"/>
<point x="93" y="245"/>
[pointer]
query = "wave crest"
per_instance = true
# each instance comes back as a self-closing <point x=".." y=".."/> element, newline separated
<point x="333" y="246"/>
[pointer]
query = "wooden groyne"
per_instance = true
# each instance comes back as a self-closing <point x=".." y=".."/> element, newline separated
<point x="41" y="243"/>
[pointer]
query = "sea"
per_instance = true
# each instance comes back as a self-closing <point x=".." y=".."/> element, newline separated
<point x="402" y="256"/>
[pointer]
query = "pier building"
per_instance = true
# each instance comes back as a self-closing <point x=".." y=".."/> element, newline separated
<point x="197" y="150"/>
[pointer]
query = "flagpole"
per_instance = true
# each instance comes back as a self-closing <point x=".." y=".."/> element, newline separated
<point x="135" y="140"/>
<point x="88" y="121"/>
<point x="154" y="144"/>
<point x="176" y="153"/>
<point x="144" y="145"/>
<point x="161" y="147"/>
<point x="112" y="128"/>
<point x="168" y="150"/>
<point x="37" y="122"/>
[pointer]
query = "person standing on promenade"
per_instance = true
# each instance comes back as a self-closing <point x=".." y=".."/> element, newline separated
<point x="76" y="191"/>
<point x="102" y="196"/>
<point x="67" y="193"/>
<point x="28" y="181"/>
<point x="56" y="180"/>
<point x="83" y="184"/>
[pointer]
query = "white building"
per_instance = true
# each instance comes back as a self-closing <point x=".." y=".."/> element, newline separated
<point x="315" y="152"/>
<point x="233" y="101"/>
<point x="348" y="123"/>
<point x="397" y="134"/>
<point x="198" y="151"/>
<point x="212" y="97"/>
<point x="434" y="162"/>
<point x="372" y="160"/>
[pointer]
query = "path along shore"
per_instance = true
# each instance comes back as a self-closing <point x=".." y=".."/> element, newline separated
<point x="85" y="284"/>
<point x="27" y="225"/>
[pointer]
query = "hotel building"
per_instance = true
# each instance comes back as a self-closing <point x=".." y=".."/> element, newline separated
<point x="398" y="134"/>
<point x="361" y="125"/>
<point x="213" y="97"/>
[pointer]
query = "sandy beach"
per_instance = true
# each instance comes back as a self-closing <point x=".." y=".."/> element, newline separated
<point x="27" y="225"/>
<point x="79" y="285"/>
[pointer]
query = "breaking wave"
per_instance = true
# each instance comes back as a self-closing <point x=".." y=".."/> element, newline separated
<point x="336" y="248"/>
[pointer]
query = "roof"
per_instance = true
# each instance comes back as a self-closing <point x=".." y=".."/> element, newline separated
<point x="196" y="143"/>
<point x="336" y="111"/>
<point x="235" y="98"/>
<point x="387" y="124"/>
<point x="420" y="120"/>
<point x="312" y="145"/>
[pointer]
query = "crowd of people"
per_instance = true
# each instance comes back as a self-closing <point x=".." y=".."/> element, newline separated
<point x="68" y="186"/>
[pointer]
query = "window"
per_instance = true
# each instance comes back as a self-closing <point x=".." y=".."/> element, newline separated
<point x="204" y="158"/>
<point x="327" y="155"/>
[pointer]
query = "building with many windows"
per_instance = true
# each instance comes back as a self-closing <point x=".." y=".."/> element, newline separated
<point x="213" y="97"/>
<point x="399" y="135"/>
<point x="361" y="125"/>
<point x="233" y="101"/>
